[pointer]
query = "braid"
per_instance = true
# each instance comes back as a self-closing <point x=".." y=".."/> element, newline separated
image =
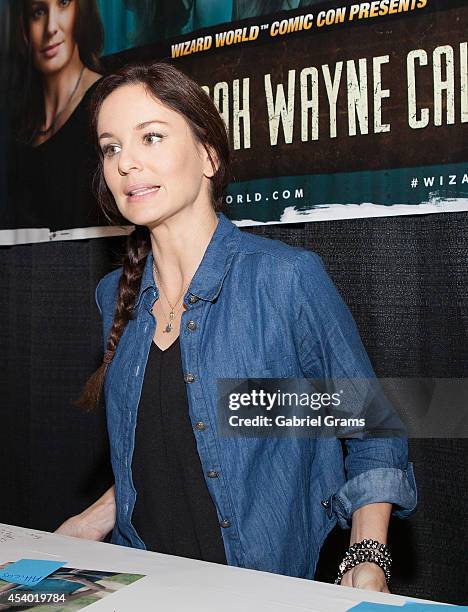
<point x="138" y="246"/>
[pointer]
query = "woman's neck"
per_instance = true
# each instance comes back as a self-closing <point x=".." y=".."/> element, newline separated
<point x="58" y="87"/>
<point x="179" y="245"/>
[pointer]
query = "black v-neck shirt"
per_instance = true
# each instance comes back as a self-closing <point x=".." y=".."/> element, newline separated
<point x="174" y="512"/>
<point x="50" y="184"/>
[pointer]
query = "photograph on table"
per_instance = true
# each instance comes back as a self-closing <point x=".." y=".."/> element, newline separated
<point x="67" y="588"/>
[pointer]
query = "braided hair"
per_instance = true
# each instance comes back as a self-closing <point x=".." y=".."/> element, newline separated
<point x="179" y="92"/>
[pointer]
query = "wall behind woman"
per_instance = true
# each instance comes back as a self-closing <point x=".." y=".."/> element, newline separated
<point x="50" y="334"/>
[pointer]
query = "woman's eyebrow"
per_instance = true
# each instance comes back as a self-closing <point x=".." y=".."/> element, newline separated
<point x="139" y="126"/>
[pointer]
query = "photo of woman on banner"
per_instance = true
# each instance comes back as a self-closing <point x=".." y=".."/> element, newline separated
<point x="198" y="300"/>
<point x="57" y="46"/>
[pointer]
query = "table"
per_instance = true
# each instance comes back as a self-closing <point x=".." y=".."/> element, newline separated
<point x="176" y="584"/>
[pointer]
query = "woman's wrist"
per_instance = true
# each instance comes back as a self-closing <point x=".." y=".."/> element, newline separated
<point x="371" y="521"/>
<point x="95" y="522"/>
<point x="368" y="552"/>
<point x="101" y="521"/>
<point x="101" y="515"/>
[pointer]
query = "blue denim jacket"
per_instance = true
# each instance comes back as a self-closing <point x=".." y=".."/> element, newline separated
<point x="256" y="308"/>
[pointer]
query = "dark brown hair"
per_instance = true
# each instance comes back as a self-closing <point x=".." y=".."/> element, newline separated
<point x="89" y="36"/>
<point x="180" y="93"/>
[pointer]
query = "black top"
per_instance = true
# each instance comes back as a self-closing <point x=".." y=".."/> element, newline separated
<point x="174" y="512"/>
<point x="50" y="185"/>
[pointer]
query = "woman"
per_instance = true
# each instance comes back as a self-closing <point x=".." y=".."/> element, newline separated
<point x="228" y="305"/>
<point x="58" y="44"/>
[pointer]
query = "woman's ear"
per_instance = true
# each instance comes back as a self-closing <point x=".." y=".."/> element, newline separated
<point x="211" y="161"/>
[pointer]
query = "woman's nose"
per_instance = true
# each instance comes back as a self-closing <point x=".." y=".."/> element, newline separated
<point x="127" y="163"/>
<point x="52" y="23"/>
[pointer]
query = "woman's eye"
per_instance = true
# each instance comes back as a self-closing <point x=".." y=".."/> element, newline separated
<point x="109" y="150"/>
<point x="151" y="138"/>
<point x="64" y="3"/>
<point x="37" y="13"/>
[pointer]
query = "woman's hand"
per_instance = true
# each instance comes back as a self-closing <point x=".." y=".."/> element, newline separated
<point x="367" y="576"/>
<point x="79" y="527"/>
<point x="95" y="522"/>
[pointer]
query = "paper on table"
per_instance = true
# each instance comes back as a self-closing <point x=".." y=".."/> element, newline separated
<point x="10" y="534"/>
<point x="176" y="578"/>
<point x="29" y="571"/>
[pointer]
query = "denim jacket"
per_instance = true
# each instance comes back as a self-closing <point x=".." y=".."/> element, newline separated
<point x="256" y="308"/>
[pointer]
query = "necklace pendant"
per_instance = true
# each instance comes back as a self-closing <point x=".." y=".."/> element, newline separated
<point x="171" y="315"/>
<point x="168" y="328"/>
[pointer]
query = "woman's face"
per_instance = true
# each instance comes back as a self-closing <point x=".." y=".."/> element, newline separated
<point x="153" y="165"/>
<point x="51" y="32"/>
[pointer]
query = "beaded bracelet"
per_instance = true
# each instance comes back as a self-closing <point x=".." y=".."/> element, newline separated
<point x="366" y="551"/>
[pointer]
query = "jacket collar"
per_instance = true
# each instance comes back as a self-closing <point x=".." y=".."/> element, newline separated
<point x="208" y="279"/>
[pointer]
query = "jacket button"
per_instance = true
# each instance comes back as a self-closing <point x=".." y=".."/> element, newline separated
<point x="189" y="378"/>
<point x="212" y="474"/>
<point x="191" y="325"/>
<point x="200" y="426"/>
<point x="225" y="523"/>
<point x="193" y="299"/>
<point x="325" y="503"/>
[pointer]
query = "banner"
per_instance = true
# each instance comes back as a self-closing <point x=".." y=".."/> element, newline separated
<point x="334" y="110"/>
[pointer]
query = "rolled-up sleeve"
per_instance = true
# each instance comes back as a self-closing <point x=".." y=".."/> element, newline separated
<point x="386" y="484"/>
<point x="330" y="348"/>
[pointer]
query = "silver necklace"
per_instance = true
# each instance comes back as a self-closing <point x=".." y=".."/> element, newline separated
<point x="174" y="309"/>
<point x="58" y="115"/>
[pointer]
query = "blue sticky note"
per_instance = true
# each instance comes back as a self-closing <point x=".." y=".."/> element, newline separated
<point x="369" y="606"/>
<point x="29" y="571"/>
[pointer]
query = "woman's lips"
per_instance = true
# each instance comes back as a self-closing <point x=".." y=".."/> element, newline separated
<point x="51" y="51"/>
<point x="142" y="194"/>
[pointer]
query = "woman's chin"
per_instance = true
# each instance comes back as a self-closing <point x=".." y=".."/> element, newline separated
<point x="148" y="219"/>
<point x="48" y="68"/>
